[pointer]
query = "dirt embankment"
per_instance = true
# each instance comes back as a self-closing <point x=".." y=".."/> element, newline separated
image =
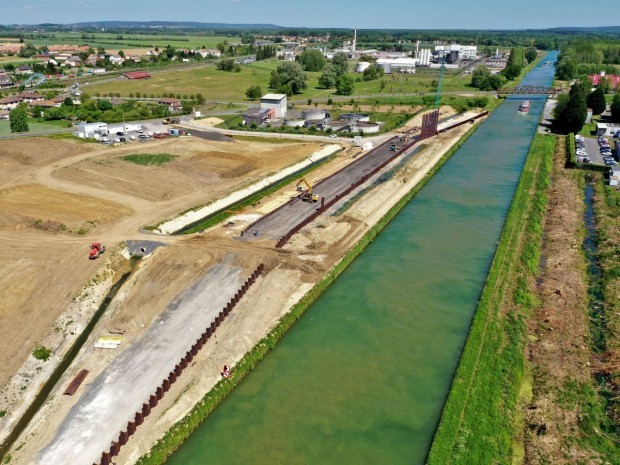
<point x="559" y="345"/>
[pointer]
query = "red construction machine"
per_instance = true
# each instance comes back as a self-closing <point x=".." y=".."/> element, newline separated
<point x="96" y="249"/>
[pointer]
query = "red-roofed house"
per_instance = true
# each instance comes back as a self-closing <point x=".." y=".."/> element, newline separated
<point x="136" y="75"/>
<point x="173" y="104"/>
<point x="612" y="78"/>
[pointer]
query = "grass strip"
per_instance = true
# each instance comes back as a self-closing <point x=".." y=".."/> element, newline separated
<point x="234" y="209"/>
<point x="175" y="437"/>
<point x="149" y="159"/>
<point x="478" y="421"/>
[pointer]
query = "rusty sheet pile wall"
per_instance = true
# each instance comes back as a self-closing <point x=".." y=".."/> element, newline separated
<point x="106" y="457"/>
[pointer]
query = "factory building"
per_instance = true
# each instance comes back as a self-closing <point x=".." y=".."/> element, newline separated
<point x="275" y="101"/>
<point x="454" y="53"/>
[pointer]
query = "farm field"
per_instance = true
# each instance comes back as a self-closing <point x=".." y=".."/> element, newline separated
<point x="225" y="86"/>
<point x="125" y="41"/>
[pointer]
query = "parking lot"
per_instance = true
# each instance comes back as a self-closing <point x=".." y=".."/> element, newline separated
<point x="151" y="130"/>
<point x="593" y="150"/>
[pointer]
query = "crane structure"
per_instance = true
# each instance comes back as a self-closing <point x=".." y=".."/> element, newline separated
<point x="308" y="196"/>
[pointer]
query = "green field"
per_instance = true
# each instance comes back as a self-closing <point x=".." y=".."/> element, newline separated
<point x="226" y="86"/>
<point x="125" y="41"/>
<point x="34" y="125"/>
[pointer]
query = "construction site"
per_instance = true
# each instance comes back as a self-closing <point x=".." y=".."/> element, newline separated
<point x="186" y="305"/>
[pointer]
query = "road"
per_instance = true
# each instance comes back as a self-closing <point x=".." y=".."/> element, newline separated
<point x="111" y="400"/>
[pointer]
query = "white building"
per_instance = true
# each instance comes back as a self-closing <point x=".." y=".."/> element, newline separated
<point x="607" y="129"/>
<point x="424" y="57"/>
<point x="455" y="52"/>
<point x="276" y="101"/>
<point x="397" y="65"/>
<point x="91" y="130"/>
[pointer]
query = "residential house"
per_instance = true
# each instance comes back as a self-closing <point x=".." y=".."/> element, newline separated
<point x="23" y="70"/>
<point x="5" y="80"/>
<point x="116" y="59"/>
<point x="45" y="104"/>
<point x="173" y="104"/>
<point x="29" y="97"/>
<point x="595" y="79"/>
<point x="73" y="61"/>
<point x="91" y="60"/>
<point x="9" y="103"/>
<point x="209" y="53"/>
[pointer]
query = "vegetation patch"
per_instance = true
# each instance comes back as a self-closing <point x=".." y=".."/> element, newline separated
<point x="478" y="420"/>
<point x="42" y="353"/>
<point x="149" y="159"/>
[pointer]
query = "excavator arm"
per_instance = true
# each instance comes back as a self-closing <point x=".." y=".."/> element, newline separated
<point x="306" y="195"/>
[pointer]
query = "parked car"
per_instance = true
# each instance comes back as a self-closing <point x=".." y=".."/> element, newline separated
<point x="132" y="137"/>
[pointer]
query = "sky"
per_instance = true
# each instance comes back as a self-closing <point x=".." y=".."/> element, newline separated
<point x="363" y="14"/>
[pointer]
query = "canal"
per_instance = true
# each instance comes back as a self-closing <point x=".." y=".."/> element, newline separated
<point x="362" y="377"/>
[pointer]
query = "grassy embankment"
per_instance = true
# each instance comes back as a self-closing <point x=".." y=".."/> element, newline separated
<point x="184" y="428"/>
<point x="478" y="420"/>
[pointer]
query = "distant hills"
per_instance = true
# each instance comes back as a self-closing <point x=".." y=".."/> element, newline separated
<point x="195" y="25"/>
<point x="606" y="29"/>
<point x="169" y="24"/>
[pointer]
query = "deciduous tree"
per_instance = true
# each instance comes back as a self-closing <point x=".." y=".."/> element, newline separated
<point x="18" y="120"/>
<point x="254" y="92"/>
<point x="312" y="60"/>
<point x="329" y="77"/>
<point x="345" y="85"/>
<point x="340" y="62"/>
<point x="288" y="78"/>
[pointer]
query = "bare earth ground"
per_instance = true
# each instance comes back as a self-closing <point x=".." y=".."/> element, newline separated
<point x="558" y="348"/>
<point x="161" y="277"/>
<point x="55" y="200"/>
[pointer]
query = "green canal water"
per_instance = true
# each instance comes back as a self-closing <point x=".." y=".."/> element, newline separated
<point x="362" y="377"/>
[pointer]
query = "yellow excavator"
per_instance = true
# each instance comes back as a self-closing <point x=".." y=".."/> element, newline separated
<point x="307" y="196"/>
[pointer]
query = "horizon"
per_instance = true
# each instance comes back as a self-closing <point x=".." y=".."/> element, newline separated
<point x="320" y="14"/>
<point x="267" y="25"/>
